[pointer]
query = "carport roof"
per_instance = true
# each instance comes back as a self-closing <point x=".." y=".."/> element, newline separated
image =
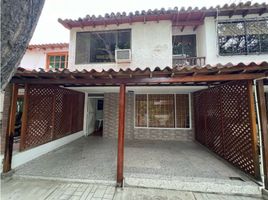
<point x="145" y="76"/>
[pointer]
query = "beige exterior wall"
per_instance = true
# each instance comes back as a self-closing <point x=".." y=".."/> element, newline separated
<point x="110" y="121"/>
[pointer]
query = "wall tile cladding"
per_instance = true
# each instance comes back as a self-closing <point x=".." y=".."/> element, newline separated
<point x="110" y="130"/>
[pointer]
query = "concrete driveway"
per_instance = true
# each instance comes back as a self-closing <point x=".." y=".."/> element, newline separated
<point x="153" y="164"/>
<point x="34" y="189"/>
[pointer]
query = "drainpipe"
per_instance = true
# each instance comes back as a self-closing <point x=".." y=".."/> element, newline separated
<point x="259" y="127"/>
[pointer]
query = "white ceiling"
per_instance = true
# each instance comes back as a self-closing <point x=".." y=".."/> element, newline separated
<point x="140" y="89"/>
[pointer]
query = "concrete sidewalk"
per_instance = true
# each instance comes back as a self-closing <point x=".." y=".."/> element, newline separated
<point x="34" y="189"/>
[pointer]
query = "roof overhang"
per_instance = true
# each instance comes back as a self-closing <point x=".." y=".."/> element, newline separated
<point x="179" y="17"/>
<point x="48" y="46"/>
<point x="178" y="75"/>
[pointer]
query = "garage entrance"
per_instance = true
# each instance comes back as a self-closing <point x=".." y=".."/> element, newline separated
<point x="214" y="116"/>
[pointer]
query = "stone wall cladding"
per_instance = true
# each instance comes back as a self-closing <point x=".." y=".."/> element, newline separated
<point x="164" y="134"/>
<point x="110" y="115"/>
<point x="111" y="102"/>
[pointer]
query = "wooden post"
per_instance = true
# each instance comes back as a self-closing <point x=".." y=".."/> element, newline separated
<point x="10" y="130"/>
<point x="24" y="117"/>
<point x="253" y="128"/>
<point x="264" y="129"/>
<point x="121" y="129"/>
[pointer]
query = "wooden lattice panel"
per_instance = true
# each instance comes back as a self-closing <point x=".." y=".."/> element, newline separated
<point x="200" y="117"/>
<point x="53" y="112"/>
<point x="214" y="122"/>
<point x="237" y="127"/>
<point x="223" y="124"/>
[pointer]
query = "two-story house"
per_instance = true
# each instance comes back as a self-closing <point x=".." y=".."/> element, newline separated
<point x="179" y="75"/>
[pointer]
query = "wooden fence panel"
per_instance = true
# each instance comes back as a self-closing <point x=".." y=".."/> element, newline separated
<point x="53" y="112"/>
<point x="224" y="124"/>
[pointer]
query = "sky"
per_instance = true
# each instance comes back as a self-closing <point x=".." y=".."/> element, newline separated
<point x="49" y="30"/>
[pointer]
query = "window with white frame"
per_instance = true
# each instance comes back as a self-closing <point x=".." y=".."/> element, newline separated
<point x="162" y="110"/>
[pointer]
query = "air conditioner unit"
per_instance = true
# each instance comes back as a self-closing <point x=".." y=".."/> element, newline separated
<point x="122" y="55"/>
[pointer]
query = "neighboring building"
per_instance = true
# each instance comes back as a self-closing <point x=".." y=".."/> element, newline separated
<point x="46" y="56"/>
<point x="42" y="56"/>
<point x="172" y="62"/>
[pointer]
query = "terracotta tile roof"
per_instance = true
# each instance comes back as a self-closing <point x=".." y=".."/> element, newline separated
<point x="262" y="66"/>
<point x="48" y="46"/>
<point x="175" y="14"/>
<point x="141" y="76"/>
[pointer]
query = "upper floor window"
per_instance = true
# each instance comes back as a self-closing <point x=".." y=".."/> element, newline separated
<point x="57" y="60"/>
<point x="184" y="45"/>
<point x="243" y="37"/>
<point x="99" y="47"/>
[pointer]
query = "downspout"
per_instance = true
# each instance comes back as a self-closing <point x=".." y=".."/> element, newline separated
<point x="217" y="35"/>
<point x="259" y="128"/>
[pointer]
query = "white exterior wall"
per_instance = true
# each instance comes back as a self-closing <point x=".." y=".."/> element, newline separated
<point x="211" y="44"/>
<point x="33" y="59"/>
<point x="151" y="46"/>
<point x="30" y="154"/>
<point x="201" y="41"/>
<point x="36" y="58"/>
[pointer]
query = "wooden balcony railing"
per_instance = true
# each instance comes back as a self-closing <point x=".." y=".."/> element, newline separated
<point x="178" y="60"/>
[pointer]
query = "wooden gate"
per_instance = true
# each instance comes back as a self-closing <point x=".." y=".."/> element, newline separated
<point x="225" y="123"/>
<point x="50" y="112"/>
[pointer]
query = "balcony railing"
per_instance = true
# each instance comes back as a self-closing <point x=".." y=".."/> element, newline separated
<point x="190" y="61"/>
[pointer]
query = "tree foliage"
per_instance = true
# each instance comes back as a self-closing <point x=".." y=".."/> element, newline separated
<point x="18" y="22"/>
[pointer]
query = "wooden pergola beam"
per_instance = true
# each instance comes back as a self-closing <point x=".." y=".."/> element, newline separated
<point x="115" y="80"/>
<point x="264" y="128"/>
<point x="188" y="23"/>
<point x="121" y="133"/>
<point x="10" y="130"/>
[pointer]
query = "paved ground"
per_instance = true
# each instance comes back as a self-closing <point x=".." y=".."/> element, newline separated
<point x="95" y="158"/>
<point x="33" y="189"/>
<point x="159" y="164"/>
<point x="173" y="159"/>
<point x="92" y="158"/>
<point x="183" y="166"/>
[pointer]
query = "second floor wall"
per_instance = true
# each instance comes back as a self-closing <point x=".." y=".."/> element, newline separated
<point x="210" y="35"/>
<point x="160" y="43"/>
<point x="152" y="44"/>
